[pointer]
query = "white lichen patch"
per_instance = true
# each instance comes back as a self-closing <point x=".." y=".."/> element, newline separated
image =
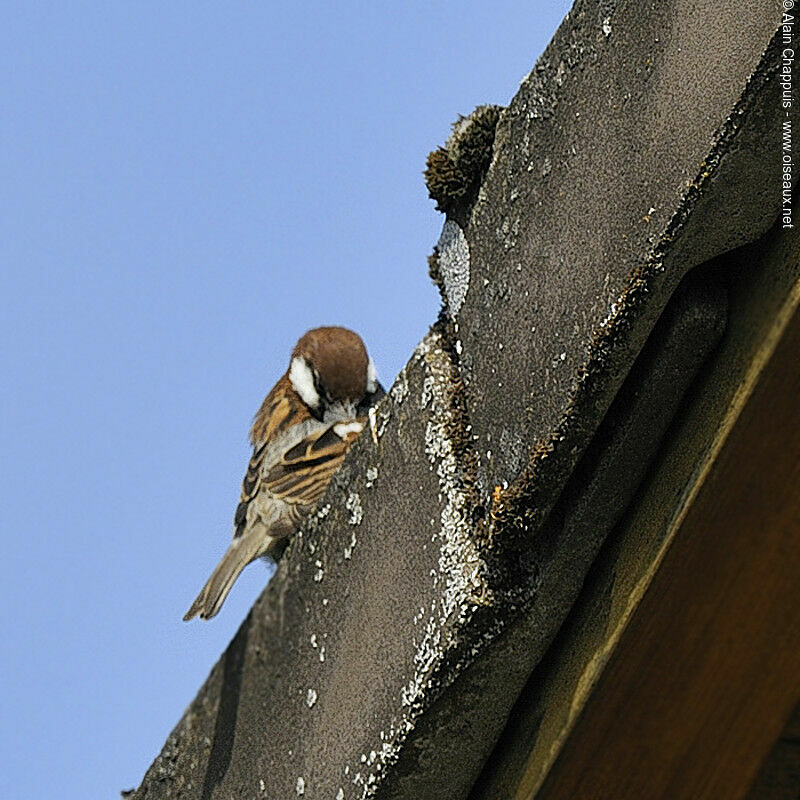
<point x="372" y="476"/>
<point x="514" y="450"/>
<point x="452" y="252"/>
<point x="323" y="512"/>
<point x="378" y="420"/>
<point x="399" y="391"/>
<point x="300" y="786"/>
<point x="379" y="759"/>
<point x="606" y="26"/>
<point x="353" y="505"/>
<point x="459" y="580"/>
<point x="508" y="232"/>
<point x="348" y="550"/>
<point x="311" y="698"/>
<point x="427" y="391"/>
<point x="340" y="794"/>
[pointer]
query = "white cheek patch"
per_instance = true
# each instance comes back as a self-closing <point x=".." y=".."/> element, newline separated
<point x="344" y="429"/>
<point x="372" y="377"/>
<point x="302" y="380"/>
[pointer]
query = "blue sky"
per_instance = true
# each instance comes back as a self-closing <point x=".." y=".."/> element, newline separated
<point x="186" y="188"/>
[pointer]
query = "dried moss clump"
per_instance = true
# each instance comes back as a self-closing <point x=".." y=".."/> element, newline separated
<point x="436" y="274"/>
<point x="454" y="172"/>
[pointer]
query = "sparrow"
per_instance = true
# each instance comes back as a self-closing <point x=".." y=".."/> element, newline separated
<point x="300" y="436"/>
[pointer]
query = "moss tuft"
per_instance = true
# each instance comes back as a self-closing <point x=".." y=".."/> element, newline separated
<point x="471" y="143"/>
<point x="446" y="184"/>
<point x="453" y="173"/>
<point x="435" y="273"/>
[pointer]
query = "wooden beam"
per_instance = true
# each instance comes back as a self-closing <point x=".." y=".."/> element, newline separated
<point x="707" y="672"/>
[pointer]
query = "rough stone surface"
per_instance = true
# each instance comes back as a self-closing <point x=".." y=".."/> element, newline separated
<point x="760" y="280"/>
<point x="551" y="565"/>
<point x="639" y="146"/>
<point x="383" y="656"/>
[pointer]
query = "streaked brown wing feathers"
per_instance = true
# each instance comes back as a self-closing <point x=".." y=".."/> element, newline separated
<point x="252" y="476"/>
<point x="281" y="409"/>
<point x="304" y="471"/>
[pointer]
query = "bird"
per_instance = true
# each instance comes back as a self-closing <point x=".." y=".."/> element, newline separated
<point x="300" y="436"/>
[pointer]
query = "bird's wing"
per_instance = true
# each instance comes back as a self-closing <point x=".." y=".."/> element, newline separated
<point x="282" y="408"/>
<point x="302" y="474"/>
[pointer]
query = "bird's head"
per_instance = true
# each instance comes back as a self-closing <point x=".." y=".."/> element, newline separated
<point x="330" y="367"/>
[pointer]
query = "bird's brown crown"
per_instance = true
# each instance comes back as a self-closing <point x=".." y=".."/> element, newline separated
<point x="339" y="358"/>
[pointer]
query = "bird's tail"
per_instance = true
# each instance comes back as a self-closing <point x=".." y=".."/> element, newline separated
<point x="243" y="549"/>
